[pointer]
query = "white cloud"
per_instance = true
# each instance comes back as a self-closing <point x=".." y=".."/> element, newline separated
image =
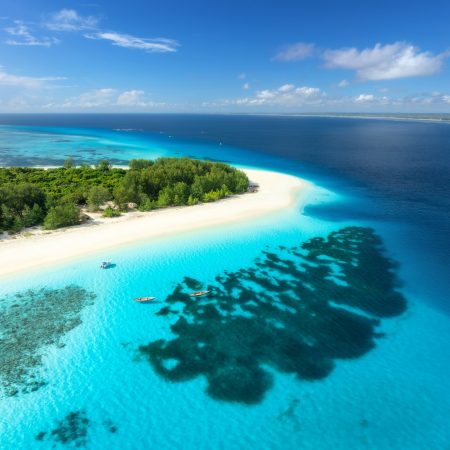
<point x="91" y="99"/>
<point x="22" y="36"/>
<point x="157" y="45"/>
<point x="131" y="98"/>
<point x="242" y="76"/>
<point x="286" y="87"/>
<point x="8" y="79"/>
<point x="307" y="91"/>
<point x="385" y="62"/>
<point x="15" y="104"/>
<point x="266" y="94"/>
<point x="246" y="86"/>
<point x="435" y="98"/>
<point x="365" y="98"/>
<point x="285" y="95"/>
<point x="343" y="83"/>
<point x="408" y="103"/>
<point x="107" y="99"/>
<point x="70" y="20"/>
<point x="295" y="52"/>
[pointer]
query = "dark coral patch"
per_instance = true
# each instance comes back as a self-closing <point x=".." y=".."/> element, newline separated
<point x="297" y="311"/>
<point x="109" y="425"/>
<point x="31" y="321"/>
<point x="165" y="311"/>
<point x="73" y="429"/>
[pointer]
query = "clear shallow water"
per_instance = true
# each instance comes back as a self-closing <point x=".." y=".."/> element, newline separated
<point x="394" y="396"/>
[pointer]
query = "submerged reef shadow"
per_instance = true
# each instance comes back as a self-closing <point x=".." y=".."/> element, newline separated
<point x="30" y="321"/>
<point x="297" y="311"/>
<point x="73" y="430"/>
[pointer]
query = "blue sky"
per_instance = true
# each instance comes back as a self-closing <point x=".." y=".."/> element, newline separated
<point x="219" y="56"/>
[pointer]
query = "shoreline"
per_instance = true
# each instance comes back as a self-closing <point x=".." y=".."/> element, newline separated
<point x="277" y="191"/>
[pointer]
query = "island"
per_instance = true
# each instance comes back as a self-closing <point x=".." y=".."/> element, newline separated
<point x="104" y="207"/>
<point x="60" y="197"/>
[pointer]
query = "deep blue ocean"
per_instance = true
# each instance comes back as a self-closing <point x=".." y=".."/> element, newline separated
<point x="371" y="373"/>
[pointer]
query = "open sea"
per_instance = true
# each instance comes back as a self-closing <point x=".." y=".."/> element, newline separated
<point x="328" y="327"/>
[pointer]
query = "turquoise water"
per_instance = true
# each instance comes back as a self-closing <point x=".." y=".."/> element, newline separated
<point x="393" y="396"/>
<point x="31" y="145"/>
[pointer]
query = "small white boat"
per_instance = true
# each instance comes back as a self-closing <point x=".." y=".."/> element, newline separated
<point x="199" y="293"/>
<point x="106" y="265"/>
<point x="144" y="299"/>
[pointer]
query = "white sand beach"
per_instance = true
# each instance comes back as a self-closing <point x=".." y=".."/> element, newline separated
<point x="276" y="192"/>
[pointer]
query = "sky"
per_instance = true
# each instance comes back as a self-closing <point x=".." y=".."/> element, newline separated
<point x="243" y="56"/>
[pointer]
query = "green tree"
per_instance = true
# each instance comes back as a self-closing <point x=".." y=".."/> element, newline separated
<point x="103" y="165"/>
<point x="139" y="164"/>
<point x="68" y="163"/>
<point x="131" y="184"/>
<point x="197" y="188"/>
<point x="180" y="193"/>
<point x="145" y="204"/>
<point x="120" y="195"/>
<point x="16" y="225"/>
<point x="242" y="182"/>
<point x="7" y="217"/>
<point x="97" y="195"/>
<point x="165" y="197"/>
<point x="77" y="196"/>
<point x="224" y="191"/>
<point x="211" y="196"/>
<point x="192" y="200"/>
<point x="62" y="216"/>
<point x="111" y="212"/>
<point x="32" y="216"/>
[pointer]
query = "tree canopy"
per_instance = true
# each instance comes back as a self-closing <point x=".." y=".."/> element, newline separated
<point x="53" y="197"/>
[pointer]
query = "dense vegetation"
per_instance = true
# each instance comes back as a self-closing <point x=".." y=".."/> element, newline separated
<point x="53" y="197"/>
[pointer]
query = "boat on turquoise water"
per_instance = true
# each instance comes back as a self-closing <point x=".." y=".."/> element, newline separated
<point x="106" y="265"/>
<point x="144" y="299"/>
<point x="199" y="293"/>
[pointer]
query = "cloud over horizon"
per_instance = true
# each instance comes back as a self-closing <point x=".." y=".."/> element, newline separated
<point x="287" y="94"/>
<point x="365" y="98"/>
<point x="105" y="98"/>
<point x="26" y="82"/>
<point x="131" y="98"/>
